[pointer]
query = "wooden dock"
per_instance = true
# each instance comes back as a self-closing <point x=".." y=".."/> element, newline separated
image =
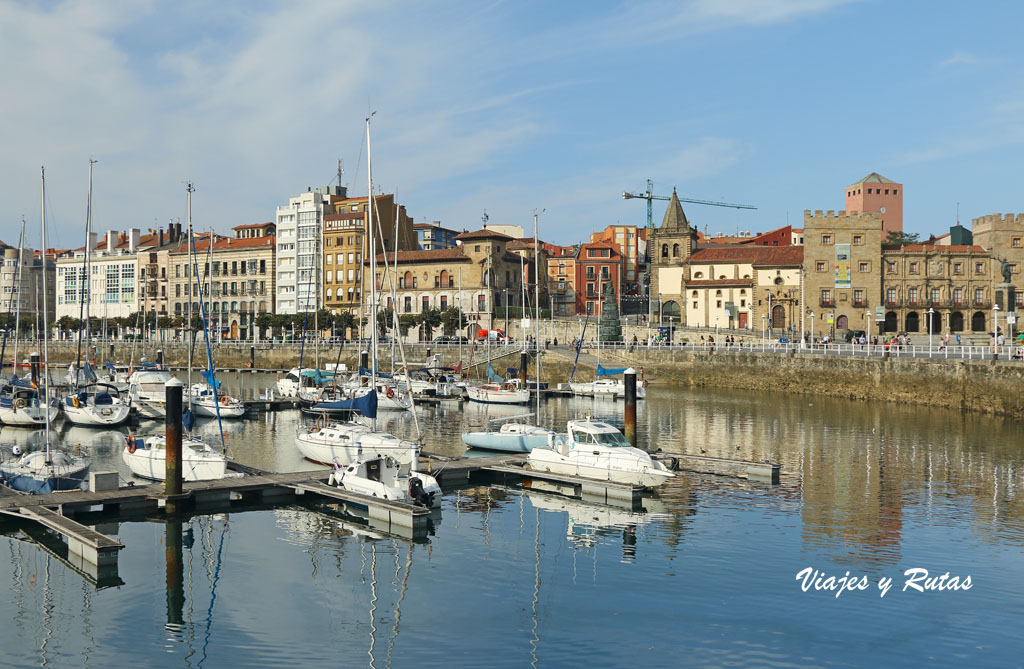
<point x="703" y="464"/>
<point x="590" y="489"/>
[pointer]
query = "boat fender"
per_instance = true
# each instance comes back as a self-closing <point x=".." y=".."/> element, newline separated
<point x="390" y="393"/>
<point x="645" y="383"/>
<point x="74" y="401"/>
<point x="16" y="450"/>
<point x="131" y="443"/>
<point x="19" y="403"/>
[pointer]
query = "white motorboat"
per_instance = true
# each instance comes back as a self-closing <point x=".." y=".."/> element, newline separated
<point x="146" y="390"/>
<point x="303" y="383"/>
<point x="606" y="388"/>
<point x="330" y="443"/>
<point x="22" y="407"/>
<point x="383" y="477"/>
<point x="204" y="403"/>
<point x="510" y="438"/>
<point x="594" y="449"/>
<point x="147" y="458"/>
<point x="96" y="405"/>
<point x="510" y="392"/>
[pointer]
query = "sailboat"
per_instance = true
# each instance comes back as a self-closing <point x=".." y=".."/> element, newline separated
<point x="90" y="403"/>
<point x="51" y="469"/>
<point x="343" y="443"/>
<point x="147" y="457"/>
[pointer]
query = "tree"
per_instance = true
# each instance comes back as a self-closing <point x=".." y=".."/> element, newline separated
<point x="406" y="321"/>
<point x="428" y="319"/>
<point x="901" y="238"/>
<point x="385" y="319"/>
<point x="343" y="322"/>
<point x="453" y="320"/>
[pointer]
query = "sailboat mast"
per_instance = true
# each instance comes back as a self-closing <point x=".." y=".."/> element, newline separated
<point x="536" y="306"/>
<point x="46" y="302"/>
<point x="191" y="260"/>
<point x="371" y="246"/>
<point x="83" y="309"/>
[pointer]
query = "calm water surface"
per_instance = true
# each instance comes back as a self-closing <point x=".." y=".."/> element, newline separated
<point x="705" y="575"/>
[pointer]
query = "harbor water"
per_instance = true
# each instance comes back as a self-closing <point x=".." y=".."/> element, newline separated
<point x="705" y="575"/>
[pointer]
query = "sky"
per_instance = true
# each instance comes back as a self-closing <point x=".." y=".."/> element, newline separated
<point x="508" y="108"/>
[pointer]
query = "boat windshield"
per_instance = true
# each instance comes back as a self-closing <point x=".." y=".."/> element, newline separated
<point x="602" y="438"/>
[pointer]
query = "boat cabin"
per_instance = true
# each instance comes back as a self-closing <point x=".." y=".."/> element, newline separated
<point x="595" y="432"/>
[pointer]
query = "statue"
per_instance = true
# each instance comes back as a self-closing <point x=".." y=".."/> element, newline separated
<point x="1004" y="268"/>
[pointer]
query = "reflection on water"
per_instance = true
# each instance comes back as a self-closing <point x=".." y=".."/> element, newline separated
<point x="701" y="573"/>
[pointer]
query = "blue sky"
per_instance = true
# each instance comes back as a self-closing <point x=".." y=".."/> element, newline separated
<point x="508" y="107"/>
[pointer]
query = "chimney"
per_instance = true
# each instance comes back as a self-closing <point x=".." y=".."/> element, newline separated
<point x="111" y="241"/>
<point x="161" y="237"/>
<point x="91" y="241"/>
<point x="177" y="231"/>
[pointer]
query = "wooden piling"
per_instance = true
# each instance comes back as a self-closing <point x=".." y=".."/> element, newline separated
<point x="630" y="416"/>
<point x="173" y="429"/>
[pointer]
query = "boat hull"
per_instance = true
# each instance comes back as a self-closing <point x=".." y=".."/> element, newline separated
<point x="26" y="416"/>
<point x="543" y="459"/>
<point x="151" y="463"/>
<point x="46" y="478"/>
<point x="498" y="396"/>
<point x="103" y="416"/>
<point x="506" y="443"/>
<point x="208" y="410"/>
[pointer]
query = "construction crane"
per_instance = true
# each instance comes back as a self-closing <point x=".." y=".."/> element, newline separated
<point x="650" y="197"/>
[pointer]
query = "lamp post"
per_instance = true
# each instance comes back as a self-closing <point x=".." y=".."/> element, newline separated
<point x="867" y="329"/>
<point x="811" y="314"/>
<point x="716" y="329"/>
<point x="930" y="313"/>
<point x="661" y="311"/>
<point x="763" y="324"/>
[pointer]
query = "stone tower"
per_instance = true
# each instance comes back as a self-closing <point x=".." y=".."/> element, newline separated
<point x="669" y="246"/>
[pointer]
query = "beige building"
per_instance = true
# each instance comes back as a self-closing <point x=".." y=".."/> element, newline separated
<point x="154" y="271"/>
<point x="843" y="280"/>
<point x="1003" y="236"/>
<point x="31" y="286"/>
<point x="669" y="247"/>
<point x="237" y="277"/>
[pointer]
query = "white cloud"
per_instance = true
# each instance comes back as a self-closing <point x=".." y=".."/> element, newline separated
<point x="966" y="59"/>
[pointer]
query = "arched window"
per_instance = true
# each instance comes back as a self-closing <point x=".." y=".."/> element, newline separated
<point x="695" y="293"/>
<point x="718" y="293"/>
<point x="698" y="275"/>
<point x="675" y="250"/>
<point x="664" y="250"/>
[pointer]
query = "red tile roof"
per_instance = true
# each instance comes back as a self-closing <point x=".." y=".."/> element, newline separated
<point x="755" y="255"/>
<point x="483" y="234"/>
<point x="229" y="244"/>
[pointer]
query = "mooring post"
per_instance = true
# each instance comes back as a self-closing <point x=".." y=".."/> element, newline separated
<point x="175" y="574"/>
<point x="630" y="417"/>
<point x="111" y="352"/>
<point x="34" y="358"/>
<point x="172" y="480"/>
<point x="428" y="355"/>
<point x="522" y="367"/>
<point x="252" y="357"/>
<point x="160" y="359"/>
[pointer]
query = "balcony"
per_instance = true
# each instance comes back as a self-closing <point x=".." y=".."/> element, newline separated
<point x="827" y="303"/>
<point x="860" y="305"/>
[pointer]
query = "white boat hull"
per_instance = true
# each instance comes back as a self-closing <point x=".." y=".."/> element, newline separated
<point x="92" y="416"/>
<point x="546" y="460"/>
<point x="197" y="463"/>
<point x="207" y="408"/>
<point x="490" y="396"/>
<point x="329" y="446"/>
<point x="27" y="416"/>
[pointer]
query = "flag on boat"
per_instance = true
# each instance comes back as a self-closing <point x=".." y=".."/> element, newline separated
<point x="602" y="371"/>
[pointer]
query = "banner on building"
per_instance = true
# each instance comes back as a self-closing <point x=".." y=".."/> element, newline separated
<point x="843" y="274"/>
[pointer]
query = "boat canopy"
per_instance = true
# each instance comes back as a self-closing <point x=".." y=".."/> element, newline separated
<point x="363" y="371"/>
<point x="610" y="371"/>
<point x="366" y="405"/>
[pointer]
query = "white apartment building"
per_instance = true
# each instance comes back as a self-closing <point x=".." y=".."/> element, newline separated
<point x="31" y="282"/>
<point x="112" y="286"/>
<point x="299" y="226"/>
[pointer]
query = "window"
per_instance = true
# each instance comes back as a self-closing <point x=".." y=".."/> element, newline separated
<point x="718" y="293"/>
<point x="826" y="240"/>
<point x="858" y="297"/>
<point x="826" y="296"/>
<point x="863" y="267"/>
<point x="894" y="191"/>
<point x="913" y="268"/>
<point x="979" y="268"/>
<point x="590" y="272"/>
<point x="718" y="303"/>
<point x="408" y="304"/>
<point x="979" y="296"/>
<point x="912" y="296"/>
<point x="890" y="267"/>
<point x="1013" y="268"/>
<point x="444" y="302"/>
<point x="886" y="191"/>
<point x="698" y="275"/>
<point x="958" y="268"/>
<point x="425" y="303"/>
<point x="695" y="304"/>
<point x="890" y="296"/>
<point x="819" y="266"/>
<point x="858" y="240"/>
<point x="743" y="303"/>
<point x="675" y="250"/>
<point x="1020" y="299"/>
<point x="934" y="292"/>
<point x="694" y="294"/>
<point x="958" y="296"/>
<point x="1016" y="242"/>
<point x="590" y="290"/>
<point x="664" y="250"/>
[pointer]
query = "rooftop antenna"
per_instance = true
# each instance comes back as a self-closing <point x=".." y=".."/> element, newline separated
<point x="958" y="213"/>
<point x="485" y="218"/>
<point x="341" y="170"/>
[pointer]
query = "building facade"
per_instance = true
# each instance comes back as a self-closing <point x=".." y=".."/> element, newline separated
<point x="597" y="264"/>
<point x="26" y="297"/>
<point x="431" y="236"/>
<point x="299" y="226"/>
<point x="562" y="281"/>
<point x="669" y="245"/>
<point x="114" y="285"/>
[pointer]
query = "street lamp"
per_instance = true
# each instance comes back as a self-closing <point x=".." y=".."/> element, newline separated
<point x="661" y="311"/>
<point x="811" y="314"/>
<point x="716" y="329"/>
<point x="764" y="322"/>
<point x="995" y="330"/>
<point x="931" y="312"/>
<point x="867" y="329"/>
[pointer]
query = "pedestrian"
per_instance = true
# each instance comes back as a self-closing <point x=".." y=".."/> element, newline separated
<point x="957" y="338"/>
<point x="556" y="342"/>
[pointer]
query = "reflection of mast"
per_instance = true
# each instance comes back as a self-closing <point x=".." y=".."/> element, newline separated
<point x="401" y="596"/>
<point x="373" y="601"/>
<point x="536" y="590"/>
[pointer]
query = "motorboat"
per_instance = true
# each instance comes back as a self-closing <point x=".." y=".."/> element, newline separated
<point x="330" y="443"/>
<point x="509" y="438"/>
<point x="383" y="477"/>
<point x="606" y="388"/>
<point x="509" y="392"/>
<point x="594" y="449"/>
<point x="146" y="457"/>
<point x="205" y="403"/>
<point x="23" y="407"/>
<point x="96" y="405"/>
<point x="43" y="472"/>
<point x="147" y="390"/>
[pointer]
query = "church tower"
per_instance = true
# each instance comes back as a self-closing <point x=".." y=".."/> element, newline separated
<point x="669" y="246"/>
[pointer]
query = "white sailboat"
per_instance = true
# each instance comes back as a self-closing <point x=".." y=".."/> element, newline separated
<point x="51" y="469"/>
<point x="343" y="443"/>
<point x="147" y="457"/>
<point x="207" y="403"/>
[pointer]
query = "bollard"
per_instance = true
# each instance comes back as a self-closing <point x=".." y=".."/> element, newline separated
<point x="34" y="358"/>
<point x="630" y="417"/>
<point x="428" y="353"/>
<point x="160" y="359"/>
<point x="522" y="367"/>
<point x="172" y="435"/>
<point x="175" y="575"/>
<point x="252" y="358"/>
<point x="364" y="359"/>
<point x="111" y="352"/>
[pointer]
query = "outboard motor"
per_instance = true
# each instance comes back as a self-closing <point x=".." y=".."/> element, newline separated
<point x="420" y="496"/>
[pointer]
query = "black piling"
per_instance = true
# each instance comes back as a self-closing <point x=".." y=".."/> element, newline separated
<point x="630" y="417"/>
<point x="111" y="352"/>
<point x="34" y="358"/>
<point x="160" y="359"/>
<point x="522" y="366"/>
<point x="252" y="357"/>
<point x="173" y="431"/>
<point x="364" y="359"/>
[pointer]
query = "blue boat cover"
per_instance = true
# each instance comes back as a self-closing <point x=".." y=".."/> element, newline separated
<point x="365" y="372"/>
<point x="366" y="405"/>
<point x="210" y="380"/>
<point x="188" y="420"/>
<point x="601" y="371"/>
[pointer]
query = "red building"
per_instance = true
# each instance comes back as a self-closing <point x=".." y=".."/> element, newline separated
<point x="597" y="264"/>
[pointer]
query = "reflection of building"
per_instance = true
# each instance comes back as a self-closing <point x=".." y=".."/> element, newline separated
<point x="878" y="194"/>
